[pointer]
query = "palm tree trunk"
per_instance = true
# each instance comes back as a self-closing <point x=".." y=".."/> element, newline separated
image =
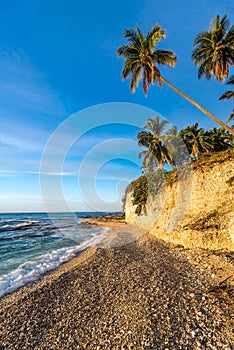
<point x="217" y="120"/>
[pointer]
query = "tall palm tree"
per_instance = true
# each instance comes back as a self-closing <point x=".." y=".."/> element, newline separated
<point x="142" y="60"/>
<point x="214" y="49"/>
<point x="157" y="154"/>
<point x="228" y="95"/>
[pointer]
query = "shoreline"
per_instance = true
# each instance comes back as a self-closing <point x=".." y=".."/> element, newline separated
<point x="109" y="221"/>
<point x="83" y="246"/>
<point x="123" y="296"/>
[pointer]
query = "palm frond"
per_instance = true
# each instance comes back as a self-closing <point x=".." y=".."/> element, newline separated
<point x="225" y="23"/>
<point x="165" y="57"/>
<point x="231" y="117"/>
<point x="227" y="95"/>
<point x="229" y="38"/>
<point x="129" y="67"/>
<point x="202" y="38"/>
<point x="130" y="34"/>
<point x="156" y="126"/>
<point x="153" y="36"/>
<point x="144" y="138"/>
<point x="135" y="78"/>
<point x="204" y="69"/>
<point x="157" y="76"/>
<point x="230" y="80"/>
<point x="142" y="154"/>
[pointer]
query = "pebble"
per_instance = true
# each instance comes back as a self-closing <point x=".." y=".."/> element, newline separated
<point x="96" y="305"/>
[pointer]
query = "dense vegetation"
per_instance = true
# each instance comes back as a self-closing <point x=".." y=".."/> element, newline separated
<point x="191" y="143"/>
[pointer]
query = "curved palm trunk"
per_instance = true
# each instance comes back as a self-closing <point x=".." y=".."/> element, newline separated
<point x="217" y="120"/>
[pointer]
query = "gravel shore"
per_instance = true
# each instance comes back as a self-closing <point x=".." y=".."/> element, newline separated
<point x="144" y="295"/>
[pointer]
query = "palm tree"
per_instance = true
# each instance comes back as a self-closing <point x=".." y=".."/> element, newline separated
<point x="229" y="94"/>
<point x="150" y="162"/>
<point x="142" y="60"/>
<point x="214" y="49"/>
<point x="219" y="138"/>
<point x="196" y="140"/>
<point x="157" y="154"/>
<point x="176" y="145"/>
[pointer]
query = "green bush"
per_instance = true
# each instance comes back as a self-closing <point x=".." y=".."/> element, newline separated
<point x="150" y="183"/>
<point x="140" y="193"/>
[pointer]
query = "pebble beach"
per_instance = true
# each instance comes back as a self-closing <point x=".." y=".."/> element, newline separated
<point x="145" y="294"/>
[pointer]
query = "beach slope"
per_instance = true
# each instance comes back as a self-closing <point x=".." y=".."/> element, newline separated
<point x="146" y="294"/>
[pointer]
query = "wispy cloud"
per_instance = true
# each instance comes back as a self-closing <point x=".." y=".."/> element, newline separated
<point x="22" y="140"/>
<point x="26" y="106"/>
<point x="24" y="86"/>
<point x="17" y="196"/>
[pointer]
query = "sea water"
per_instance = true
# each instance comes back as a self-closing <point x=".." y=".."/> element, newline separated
<point x="32" y="244"/>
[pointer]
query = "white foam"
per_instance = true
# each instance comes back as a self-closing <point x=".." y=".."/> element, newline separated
<point x="8" y="220"/>
<point x="33" y="269"/>
<point x="13" y="227"/>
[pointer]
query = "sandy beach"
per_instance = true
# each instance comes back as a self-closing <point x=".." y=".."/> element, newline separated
<point x="145" y="294"/>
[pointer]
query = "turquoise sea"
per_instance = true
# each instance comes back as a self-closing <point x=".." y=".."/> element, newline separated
<point x="32" y="244"/>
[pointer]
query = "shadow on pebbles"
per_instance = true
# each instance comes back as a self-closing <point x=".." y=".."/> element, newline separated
<point x="144" y="295"/>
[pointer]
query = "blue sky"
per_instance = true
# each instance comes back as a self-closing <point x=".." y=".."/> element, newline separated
<point x="58" y="59"/>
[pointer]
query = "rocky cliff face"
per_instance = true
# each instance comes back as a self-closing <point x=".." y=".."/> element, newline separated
<point x="195" y="211"/>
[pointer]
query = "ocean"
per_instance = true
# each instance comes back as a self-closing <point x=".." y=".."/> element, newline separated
<point x="32" y="244"/>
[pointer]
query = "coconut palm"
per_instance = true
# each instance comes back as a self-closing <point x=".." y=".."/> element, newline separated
<point x="142" y="61"/>
<point x="214" y="49"/>
<point x="150" y="162"/>
<point x="157" y="154"/>
<point x="228" y="95"/>
<point x="196" y="140"/>
<point x="176" y="145"/>
<point x="219" y="138"/>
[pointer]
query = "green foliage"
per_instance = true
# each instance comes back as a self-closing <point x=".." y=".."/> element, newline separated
<point x="201" y="145"/>
<point x="198" y="141"/>
<point x="213" y="49"/>
<point x="120" y="217"/>
<point x="152" y="137"/>
<point x="171" y="176"/>
<point x="152" y="182"/>
<point x="141" y="58"/>
<point x="140" y="193"/>
<point x="144" y="186"/>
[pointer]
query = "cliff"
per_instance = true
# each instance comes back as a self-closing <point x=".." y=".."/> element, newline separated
<point x="196" y="210"/>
